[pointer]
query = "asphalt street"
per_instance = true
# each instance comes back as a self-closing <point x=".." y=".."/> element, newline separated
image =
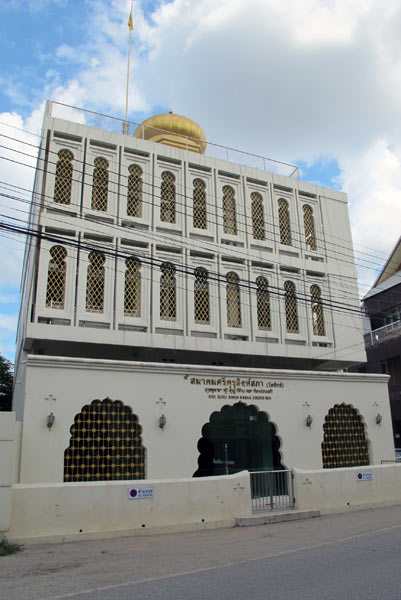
<point x="351" y="556"/>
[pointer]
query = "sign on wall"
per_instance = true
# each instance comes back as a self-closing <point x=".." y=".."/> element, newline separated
<point x="364" y="476"/>
<point x="140" y="492"/>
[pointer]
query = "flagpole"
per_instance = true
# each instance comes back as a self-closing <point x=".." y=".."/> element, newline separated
<point x="130" y="27"/>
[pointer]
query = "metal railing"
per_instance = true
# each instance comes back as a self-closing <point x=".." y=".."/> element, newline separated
<point x="271" y="490"/>
<point x="101" y="121"/>
<point x="378" y="335"/>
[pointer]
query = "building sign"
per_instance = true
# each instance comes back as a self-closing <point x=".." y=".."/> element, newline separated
<point x="226" y="388"/>
<point x="365" y="476"/>
<point x="140" y="492"/>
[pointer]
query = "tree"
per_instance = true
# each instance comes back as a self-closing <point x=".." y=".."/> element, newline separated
<point x="6" y="383"/>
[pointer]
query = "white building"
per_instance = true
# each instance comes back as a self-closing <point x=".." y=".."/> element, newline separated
<point x="163" y="284"/>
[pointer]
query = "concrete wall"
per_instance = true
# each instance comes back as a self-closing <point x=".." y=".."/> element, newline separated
<point x="339" y="490"/>
<point x="8" y="446"/>
<point x="69" y="511"/>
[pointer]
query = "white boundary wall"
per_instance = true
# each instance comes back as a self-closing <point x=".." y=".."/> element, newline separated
<point x="9" y="447"/>
<point x="340" y="490"/>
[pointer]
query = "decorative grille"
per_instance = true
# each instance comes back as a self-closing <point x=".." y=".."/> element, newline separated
<point x="63" y="181"/>
<point x="132" y="289"/>
<point x="229" y="211"/>
<point x="167" y="198"/>
<point x="105" y="444"/>
<point x="55" y="293"/>
<point x="199" y="204"/>
<point x="263" y="303"/>
<point x="258" y="217"/>
<point x="344" y="442"/>
<point x="233" y="300"/>
<point x="100" y="184"/>
<point x="284" y="222"/>
<point x="291" y="312"/>
<point x="309" y="227"/>
<point x="168" y="293"/>
<point x="317" y="311"/>
<point x="134" y="199"/>
<point x="201" y="297"/>
<point x="95" y="283"/>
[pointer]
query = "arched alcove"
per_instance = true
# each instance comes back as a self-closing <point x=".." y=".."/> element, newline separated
<point x="344" y="441"/>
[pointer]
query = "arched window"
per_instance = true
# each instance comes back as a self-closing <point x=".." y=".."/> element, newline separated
<point x="95" y="283"/>
<point x="258" y="217"/>
<point x="105" y="444"/>
<point x="317" y="311"/>
<point x="201" y="297"/>
<point x="263" y="303"/>
<point x="55" y="293"/>
<point x="229" y="211"/>
<point x="132" y="288"/>
<point x="284" y="222"/>
<point x="233" y="300"/>
<point x="344" y="441"/>
<point x="100" y="184"/>
<point x="291" y="311"/>
<point x="63" y="182"/>
<point x="309" y="227"/>
<point x="168" y="293"/>
<point x="167" y="198"/>
<point x="134" y="196"/>
<point x="199" y="204"/>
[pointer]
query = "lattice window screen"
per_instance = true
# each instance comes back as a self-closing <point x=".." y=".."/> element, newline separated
<point x="233" y="300"/>
<point x="258" y="217"/>
<point x="284" y="222"/>
<point x="201" y="297"/>
<point x="105" y="444"/>
<point x="317" y="311"/>
<point x="168" y="293"/>
<point x="167" y="198"/>
<point x="132" y="288"/>
<point x="344" y="441"/>
<point x="291" y="311"/>
<point x="134" y="195"/>
<point x="309" y="227"/>
<point x="95" y="283"/>
<point x="263" y="303"/>
<point x="100" y="185"/>
<point x="199" y="204"/>
<point x="229" y="211"/>
<point x="55" y="292"/>
<point x="63" y="180"/>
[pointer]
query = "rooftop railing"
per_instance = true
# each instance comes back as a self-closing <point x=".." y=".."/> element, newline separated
<point x="383" y="333"/>
<point x="116" y="125"/>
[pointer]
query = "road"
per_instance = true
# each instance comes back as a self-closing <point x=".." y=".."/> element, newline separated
<point x="351" y="556"/>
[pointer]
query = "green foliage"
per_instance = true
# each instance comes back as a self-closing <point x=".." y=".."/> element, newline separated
<point x="7" y="547"/>
<point x="6" y="383"/>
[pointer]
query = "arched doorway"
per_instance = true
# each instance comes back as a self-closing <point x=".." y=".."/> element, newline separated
<point x="105" y="444"/>
<point x="238" y="438"/>
<point x="344" y="441"/>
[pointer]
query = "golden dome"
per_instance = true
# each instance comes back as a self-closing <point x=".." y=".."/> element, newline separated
<point x="173" y="130"/>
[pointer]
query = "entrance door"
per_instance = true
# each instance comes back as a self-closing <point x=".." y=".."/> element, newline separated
<point x="238" y="438"/>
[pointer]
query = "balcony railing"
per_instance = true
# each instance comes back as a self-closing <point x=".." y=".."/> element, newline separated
<point x="383" y="333"/>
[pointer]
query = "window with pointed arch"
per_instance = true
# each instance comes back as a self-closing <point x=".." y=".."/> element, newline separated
<point x="134" y="194"/>
<point x="56" y="276"/>
<point x="201" y="297"/>
<point x="100" y="184"/>
<point x="233" y="300"/>
<point x="168" y="293"/>
<point x="263" y="304"/>
<point x="63" y="180"/>
<point x="284" y="222"/>
<point x="344" y="440"/>
<point x="291" y="310"/>
<point x="95" y="282"/>
<point x="132" y="288"/>
<point x="317" y="311"/>
<point x="199" y="204"/>
<point x="258" y="217"/>
<point x="167" y="198"/>
<point x="229" y="211"/>
<point x="309" y="227"/>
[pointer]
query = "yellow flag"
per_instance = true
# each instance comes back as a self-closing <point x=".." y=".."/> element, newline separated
<point x="130" y="22"/>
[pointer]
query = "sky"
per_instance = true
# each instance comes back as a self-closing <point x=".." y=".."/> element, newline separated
<point x="311" y="82"/>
